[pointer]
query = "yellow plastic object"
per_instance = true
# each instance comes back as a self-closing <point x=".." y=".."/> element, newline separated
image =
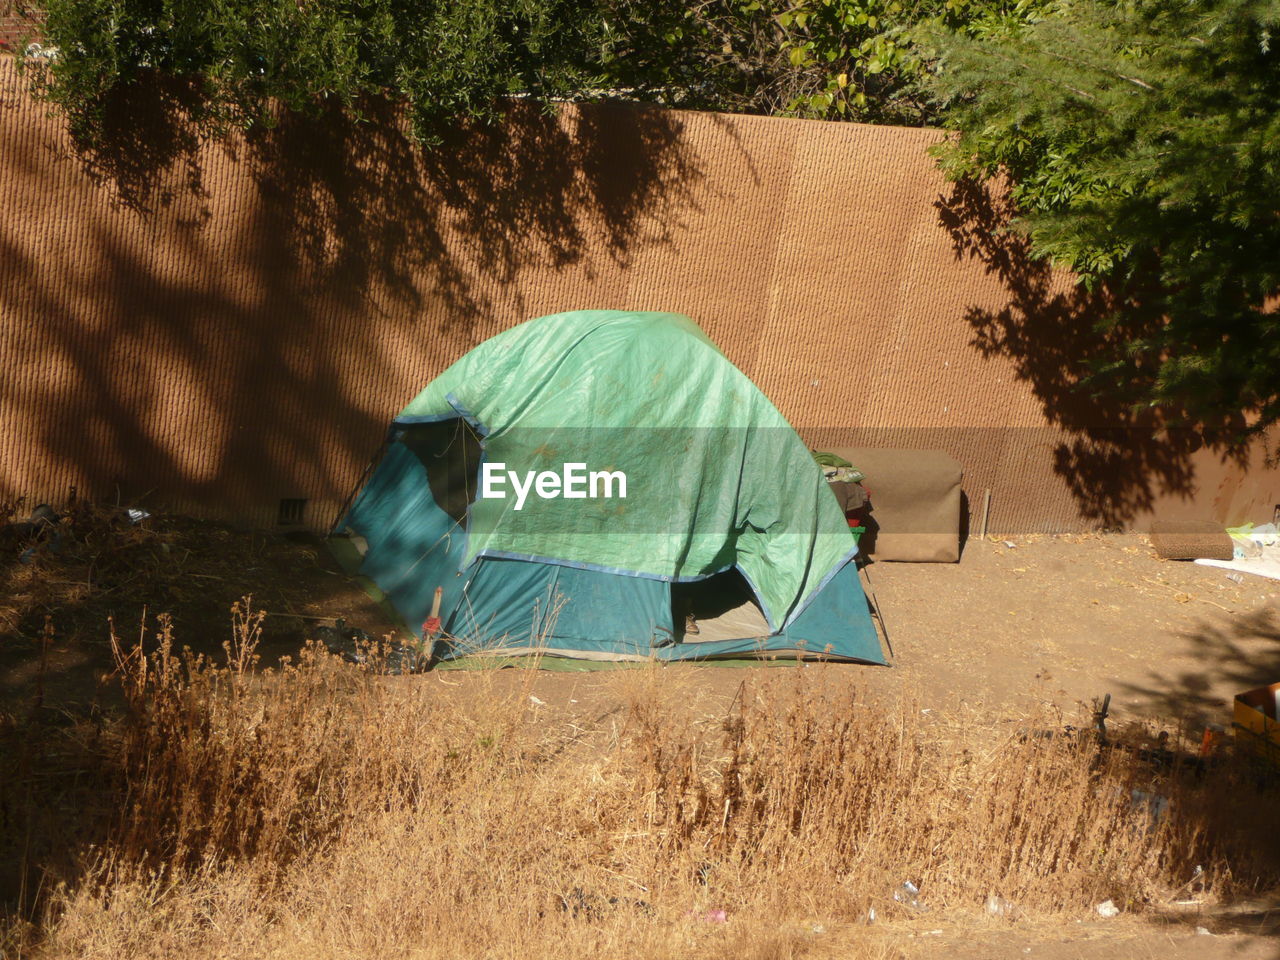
<point x="1257" y="731"/>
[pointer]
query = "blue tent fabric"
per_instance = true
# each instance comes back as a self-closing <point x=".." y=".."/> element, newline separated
<point x="521" y="605"/>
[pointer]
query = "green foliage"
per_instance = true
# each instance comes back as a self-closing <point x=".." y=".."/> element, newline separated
<point x="859" y="58"/>
<point x="1143" y="144"/>
<point x="243" y="57"/>
<point x="829" y="59"/>
<point x="834" y="59"/>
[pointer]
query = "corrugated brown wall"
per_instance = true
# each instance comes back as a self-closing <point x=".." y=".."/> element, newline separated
<point x="217" y="327"/>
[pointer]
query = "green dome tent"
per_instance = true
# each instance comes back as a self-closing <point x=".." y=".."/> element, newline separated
<point x="578" y="483"/>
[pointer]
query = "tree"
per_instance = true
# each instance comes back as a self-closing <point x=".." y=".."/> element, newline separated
<point x="1142" y="142"/>
<point x="243" y="58"/>
<point x="821" y="59"/>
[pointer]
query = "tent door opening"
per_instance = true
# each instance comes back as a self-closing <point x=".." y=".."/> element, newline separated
<point x="721" y="607"/>
<point x="450" y="452"/>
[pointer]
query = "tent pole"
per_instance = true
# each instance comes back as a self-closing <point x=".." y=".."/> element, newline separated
<point x="364" y="475"/>
<point x="875" y="606"/>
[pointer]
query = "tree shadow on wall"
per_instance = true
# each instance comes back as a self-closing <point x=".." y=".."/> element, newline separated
<point x="356" y="202"/>
<point x="261" y="284"/>
<point x="1116" y="459"/>
<point x="145" y="145"/>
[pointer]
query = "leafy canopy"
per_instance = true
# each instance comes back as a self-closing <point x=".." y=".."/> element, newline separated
<point x="833" y="59"/>
<point x="444" y="60"/>
<point x="1143" y="145"/>
<point x="821" y="59"/>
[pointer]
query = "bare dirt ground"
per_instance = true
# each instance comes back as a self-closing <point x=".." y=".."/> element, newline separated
<point x="1016" y="623"/>
<point x="1086" y="940"/>
<point x="1072" y="618"/>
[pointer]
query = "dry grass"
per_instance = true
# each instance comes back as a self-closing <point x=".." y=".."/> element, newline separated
<point x="322" y="810"/>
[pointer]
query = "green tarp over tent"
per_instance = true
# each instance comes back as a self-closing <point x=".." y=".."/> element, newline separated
<point x="561" y="477"/>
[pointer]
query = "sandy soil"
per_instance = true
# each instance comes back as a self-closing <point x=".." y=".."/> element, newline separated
<point x="1115" y="940"/>
<point x="1073" y="618"/>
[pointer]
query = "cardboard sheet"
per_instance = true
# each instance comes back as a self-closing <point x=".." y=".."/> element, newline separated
<point x="1267" y="565"/>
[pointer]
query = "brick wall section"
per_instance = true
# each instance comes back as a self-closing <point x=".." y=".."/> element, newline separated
<point x="215" y="328"/>
<point x="19" y="25"/>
